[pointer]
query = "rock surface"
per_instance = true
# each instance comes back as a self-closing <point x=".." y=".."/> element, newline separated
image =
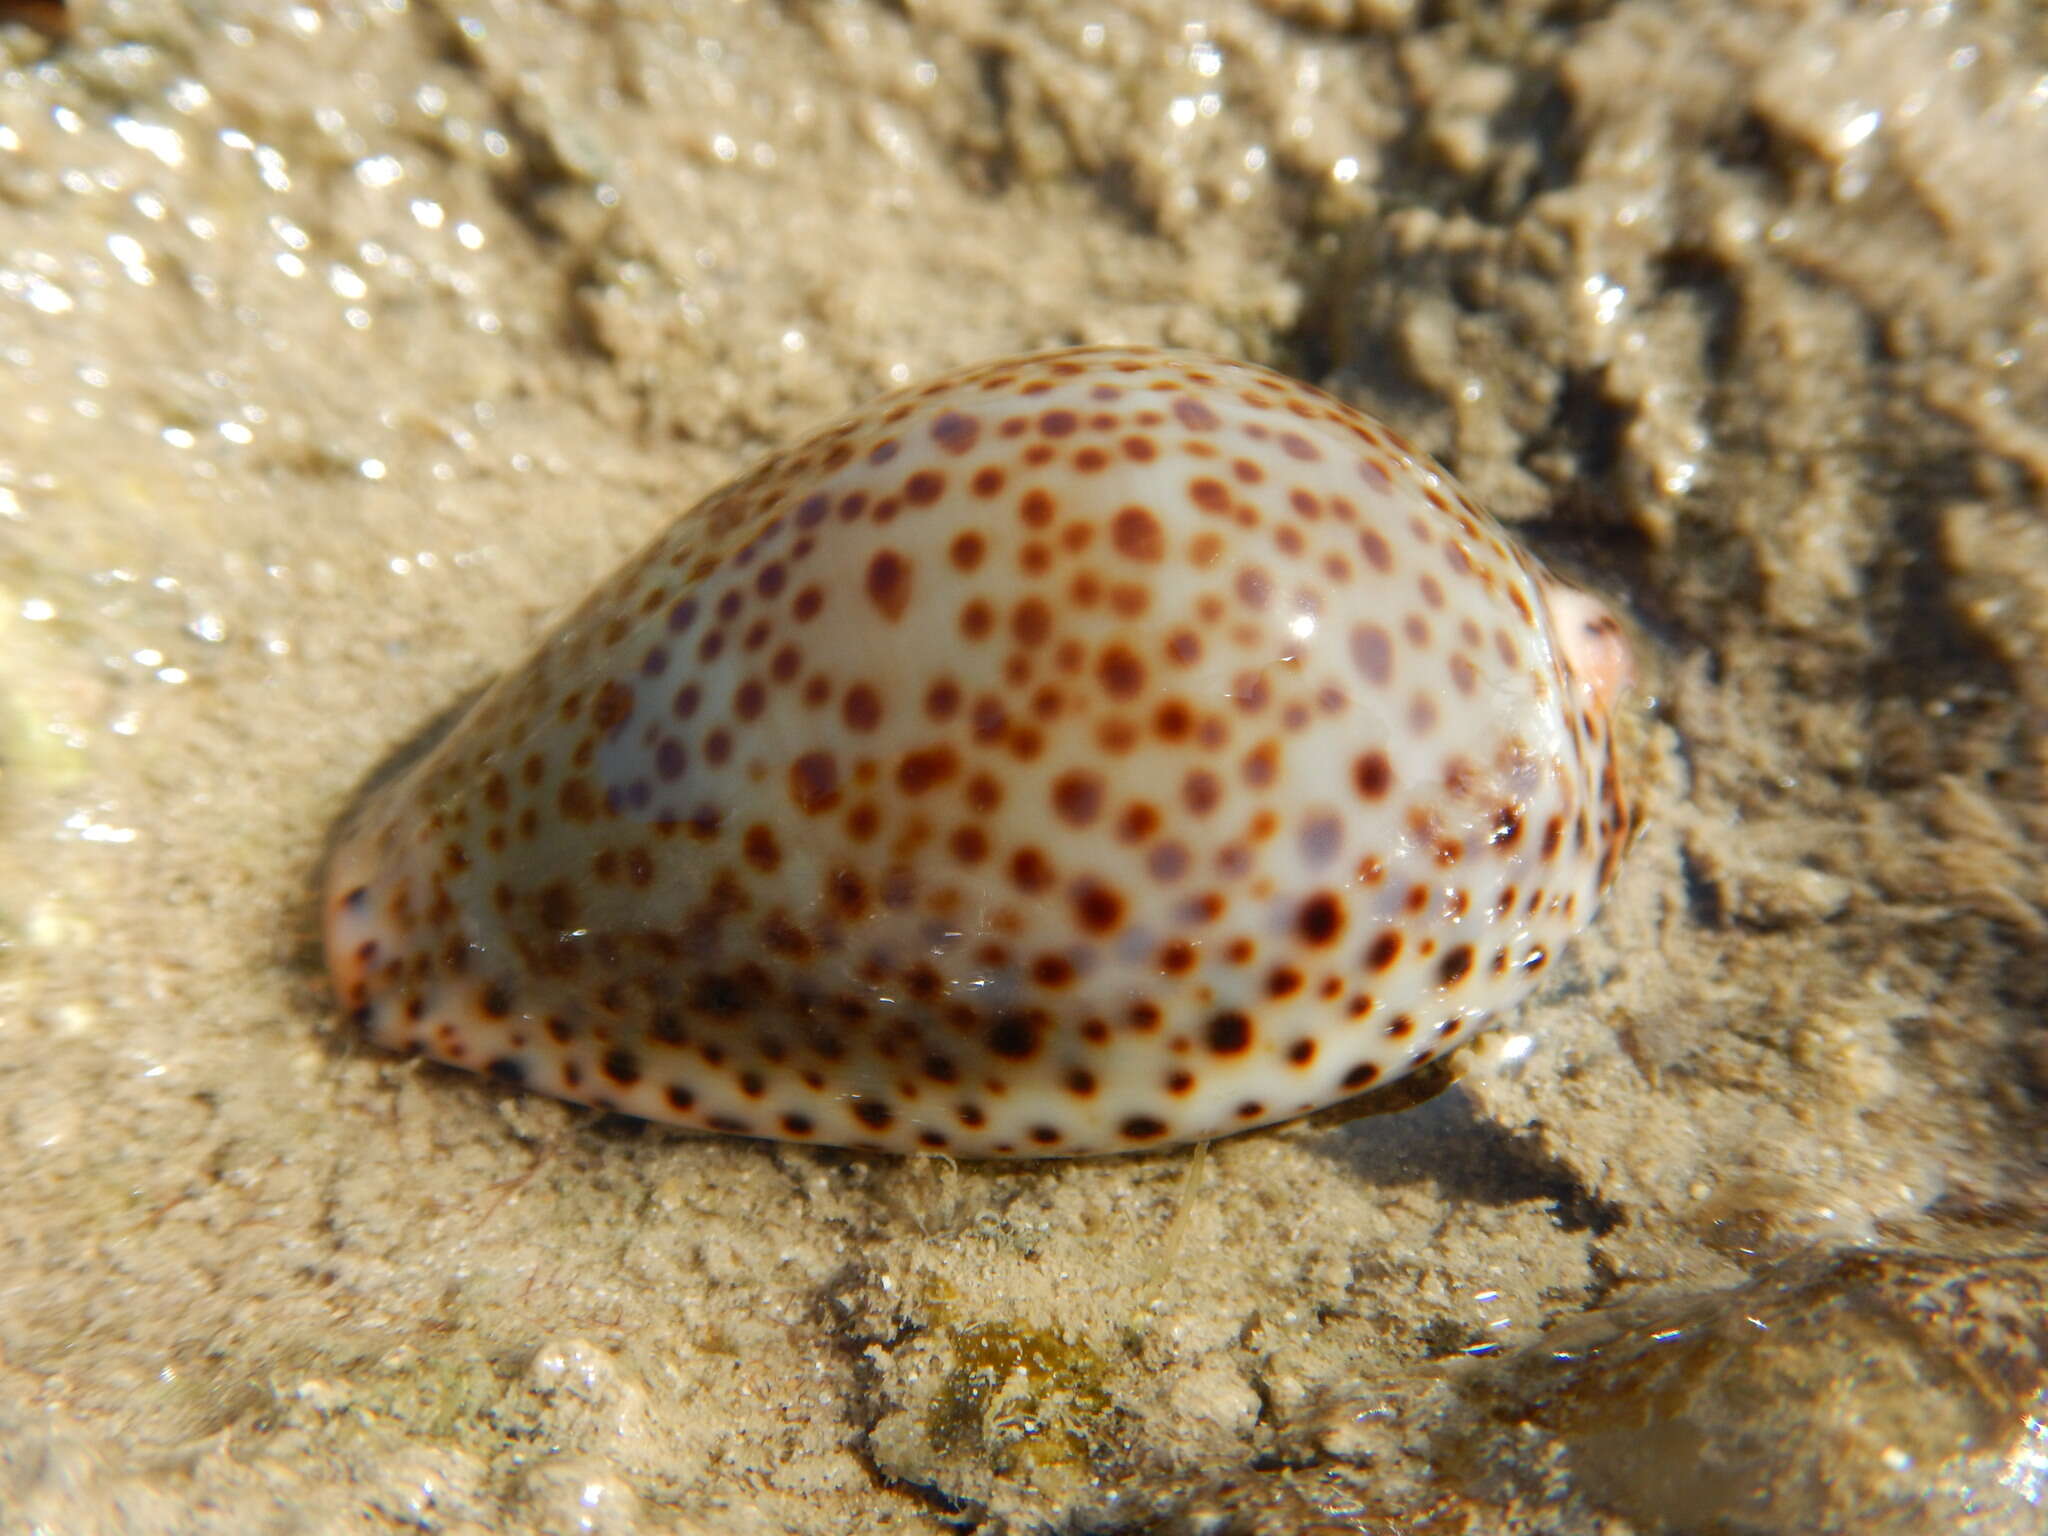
<point x="344" y="343"/>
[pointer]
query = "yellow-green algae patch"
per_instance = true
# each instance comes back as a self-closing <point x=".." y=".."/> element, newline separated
<point x="1025" y="1400"/>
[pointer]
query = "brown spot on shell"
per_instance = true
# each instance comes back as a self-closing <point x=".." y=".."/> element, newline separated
<point x="1137" y="535"/>
<point x="1031" y="871"/>
<point x="814" y="782"/>
<point x="1014" y="1037"/>
<point x="1372" y="652"/>
<point x="1077" y="795"/>
<point x="1228" y="1033"/>
<point x="927" y="769"/>
<point x="1320" y="920"/>
<point x="1098" y="908"/>
<point x="888" y="583"/>
<point x="861" y="708"/>
<point x="613" y="706"/>
<point x="1120" y="672"/>
<point x="956" y="432"/>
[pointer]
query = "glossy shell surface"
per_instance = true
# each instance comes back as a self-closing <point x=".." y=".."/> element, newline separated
<point x="1081" y="753"/>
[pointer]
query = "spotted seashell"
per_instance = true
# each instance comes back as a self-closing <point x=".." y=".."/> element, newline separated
<point x="1084" y="752"/>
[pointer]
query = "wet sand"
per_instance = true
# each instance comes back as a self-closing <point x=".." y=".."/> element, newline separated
<point x="342" y="345"/>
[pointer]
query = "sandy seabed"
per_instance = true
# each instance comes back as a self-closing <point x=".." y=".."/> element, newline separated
<point x="341" y="344"/>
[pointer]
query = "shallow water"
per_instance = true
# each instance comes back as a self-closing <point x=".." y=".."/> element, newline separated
<point x="345" y="344"/>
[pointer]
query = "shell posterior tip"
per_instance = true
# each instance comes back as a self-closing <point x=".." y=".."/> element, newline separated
<point x="1591" y="644"/>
